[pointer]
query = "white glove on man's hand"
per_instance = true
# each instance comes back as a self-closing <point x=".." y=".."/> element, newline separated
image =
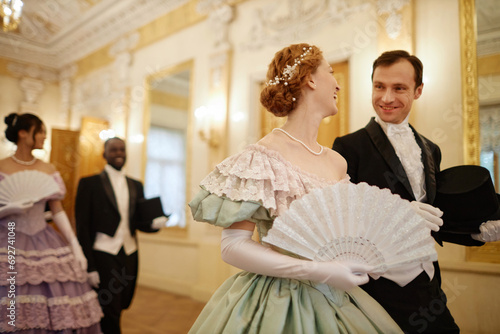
<point x="490" y="231"/>
<point x="159" y="222"/>
<point x="62" y="222"/>
<point x="93" y="279"/>
<point x="239" y="250"/>
<point x="431" y="214"/>
<point x="15" y="207"/>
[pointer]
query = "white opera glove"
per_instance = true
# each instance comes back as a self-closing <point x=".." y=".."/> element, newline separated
<point x="489" y="231"/>
<point x="239" y="250"/>
<point x="159" y="222"/>
<point x="62" y="222"/>
<point x="431" y="214"/>
<point x="15" y="207"/>
<point x="93" y="279"/>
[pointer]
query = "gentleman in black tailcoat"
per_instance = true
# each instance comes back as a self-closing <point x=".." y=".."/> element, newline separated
<point x="106" y="224"/>
<point x="389" y="153"/>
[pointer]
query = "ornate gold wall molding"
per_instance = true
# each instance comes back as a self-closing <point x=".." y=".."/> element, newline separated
<point x="470" y="103"/>
<point x="166" y="25"/>
<point x="490" y="252"/>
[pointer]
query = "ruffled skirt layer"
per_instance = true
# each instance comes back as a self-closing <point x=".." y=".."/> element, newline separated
<point x="251" y="303"/>
<point x="42" y="287"/>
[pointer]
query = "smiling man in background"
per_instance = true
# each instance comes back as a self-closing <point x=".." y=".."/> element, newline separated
<point x="106" y="222"/>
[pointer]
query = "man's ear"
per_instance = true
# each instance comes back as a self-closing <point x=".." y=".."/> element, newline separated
<point x="418" y="91"/>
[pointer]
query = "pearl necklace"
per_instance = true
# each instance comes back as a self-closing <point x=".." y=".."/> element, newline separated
<point x="24" y="163"/>
<point x="300" y="141"/>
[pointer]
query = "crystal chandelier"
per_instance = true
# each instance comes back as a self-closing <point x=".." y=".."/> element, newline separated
<point x="10" y="11"/>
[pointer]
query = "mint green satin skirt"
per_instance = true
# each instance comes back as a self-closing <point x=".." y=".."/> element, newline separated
<point x="251" y="303"/>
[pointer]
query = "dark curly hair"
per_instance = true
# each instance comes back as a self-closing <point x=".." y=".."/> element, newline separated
<point x="16" y="123"/>
<point x="278" y="99"/>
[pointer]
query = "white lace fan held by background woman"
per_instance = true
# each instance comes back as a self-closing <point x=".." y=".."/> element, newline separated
<point x="354" y="223"/>
<point x="22" y="189"/>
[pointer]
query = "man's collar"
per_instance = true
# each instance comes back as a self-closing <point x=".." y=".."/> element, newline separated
<point x="385" y="125"/>
<point x="112" y="171"/>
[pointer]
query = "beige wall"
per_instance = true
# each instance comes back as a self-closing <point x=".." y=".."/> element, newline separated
<point x="188" y="262"/>
<point x="47" y="109"/>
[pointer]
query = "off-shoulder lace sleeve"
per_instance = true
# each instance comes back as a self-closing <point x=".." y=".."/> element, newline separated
<point x="257" y="175"/>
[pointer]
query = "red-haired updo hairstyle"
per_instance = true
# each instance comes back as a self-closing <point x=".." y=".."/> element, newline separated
<point x="279" y="98"/>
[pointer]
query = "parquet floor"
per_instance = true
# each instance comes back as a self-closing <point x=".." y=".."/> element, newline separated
<point x="154" y="312"/>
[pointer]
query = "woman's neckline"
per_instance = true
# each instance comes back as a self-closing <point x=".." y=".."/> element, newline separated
<point x="32" y="170"/>
<point x="276" y="154"/>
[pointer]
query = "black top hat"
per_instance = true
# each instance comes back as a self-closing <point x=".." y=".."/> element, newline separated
<point x="467" y="197"/>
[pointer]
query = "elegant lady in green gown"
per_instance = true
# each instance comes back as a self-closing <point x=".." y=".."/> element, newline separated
<point x="278" y="292"/>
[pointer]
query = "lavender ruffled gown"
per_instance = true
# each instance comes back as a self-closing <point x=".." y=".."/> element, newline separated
<point x="51" y="290"/>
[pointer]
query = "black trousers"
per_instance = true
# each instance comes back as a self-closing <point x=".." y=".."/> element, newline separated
<point x="118" y="276"/>
<point x="418" y="307"/>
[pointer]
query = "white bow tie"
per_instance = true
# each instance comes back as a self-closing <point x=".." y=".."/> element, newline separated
<point x="398" y="129"/>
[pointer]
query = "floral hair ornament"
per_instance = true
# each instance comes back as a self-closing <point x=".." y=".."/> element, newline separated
<point x="289" y="71"/>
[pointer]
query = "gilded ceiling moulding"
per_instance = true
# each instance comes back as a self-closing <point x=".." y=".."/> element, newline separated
<point x="170" y="23"/>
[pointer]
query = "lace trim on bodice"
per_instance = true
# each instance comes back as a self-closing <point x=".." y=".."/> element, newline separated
<point x="262" y="175"/>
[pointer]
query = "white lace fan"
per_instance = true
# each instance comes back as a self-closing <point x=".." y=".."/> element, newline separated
<point x="27" y="185"/>
<point x="354" y="222"/>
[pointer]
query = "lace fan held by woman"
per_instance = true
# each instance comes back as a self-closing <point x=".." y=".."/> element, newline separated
<point x="51" y="290"/>
<point x="277" y="292"/>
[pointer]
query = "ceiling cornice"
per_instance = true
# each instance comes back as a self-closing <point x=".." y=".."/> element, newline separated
<point x="97" y="27"/>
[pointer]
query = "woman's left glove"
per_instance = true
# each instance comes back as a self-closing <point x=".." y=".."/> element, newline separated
<point x="62" y="222"/>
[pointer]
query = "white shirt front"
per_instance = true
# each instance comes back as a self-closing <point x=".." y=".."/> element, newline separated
<point x="409" y="153"/>
<point x="122" y="237"/>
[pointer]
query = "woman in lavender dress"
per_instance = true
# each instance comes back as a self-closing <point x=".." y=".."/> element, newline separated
<point x="43" y="277"/>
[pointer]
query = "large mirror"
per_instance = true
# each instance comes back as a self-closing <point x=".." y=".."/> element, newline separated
<point x="488" y="70"/>
<point x="167" y="115"/>
<point x="480" y="48"/>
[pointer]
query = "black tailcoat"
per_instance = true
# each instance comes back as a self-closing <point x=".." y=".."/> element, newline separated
<point x="420" y="306"/>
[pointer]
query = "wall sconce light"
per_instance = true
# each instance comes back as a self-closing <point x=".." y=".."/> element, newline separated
<point x="208" y="120"/>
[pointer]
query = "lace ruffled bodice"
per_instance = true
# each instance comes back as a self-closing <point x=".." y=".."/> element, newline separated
<point x="263" y="176"/>
<point x="33" y="220"/>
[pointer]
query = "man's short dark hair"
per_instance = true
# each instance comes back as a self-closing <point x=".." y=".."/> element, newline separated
<point x="109" y="139"/>
<point x="391" y="57"/>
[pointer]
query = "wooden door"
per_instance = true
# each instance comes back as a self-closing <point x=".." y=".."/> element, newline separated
<point x="65" y="157"/>
<point x="91" y="146"/>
